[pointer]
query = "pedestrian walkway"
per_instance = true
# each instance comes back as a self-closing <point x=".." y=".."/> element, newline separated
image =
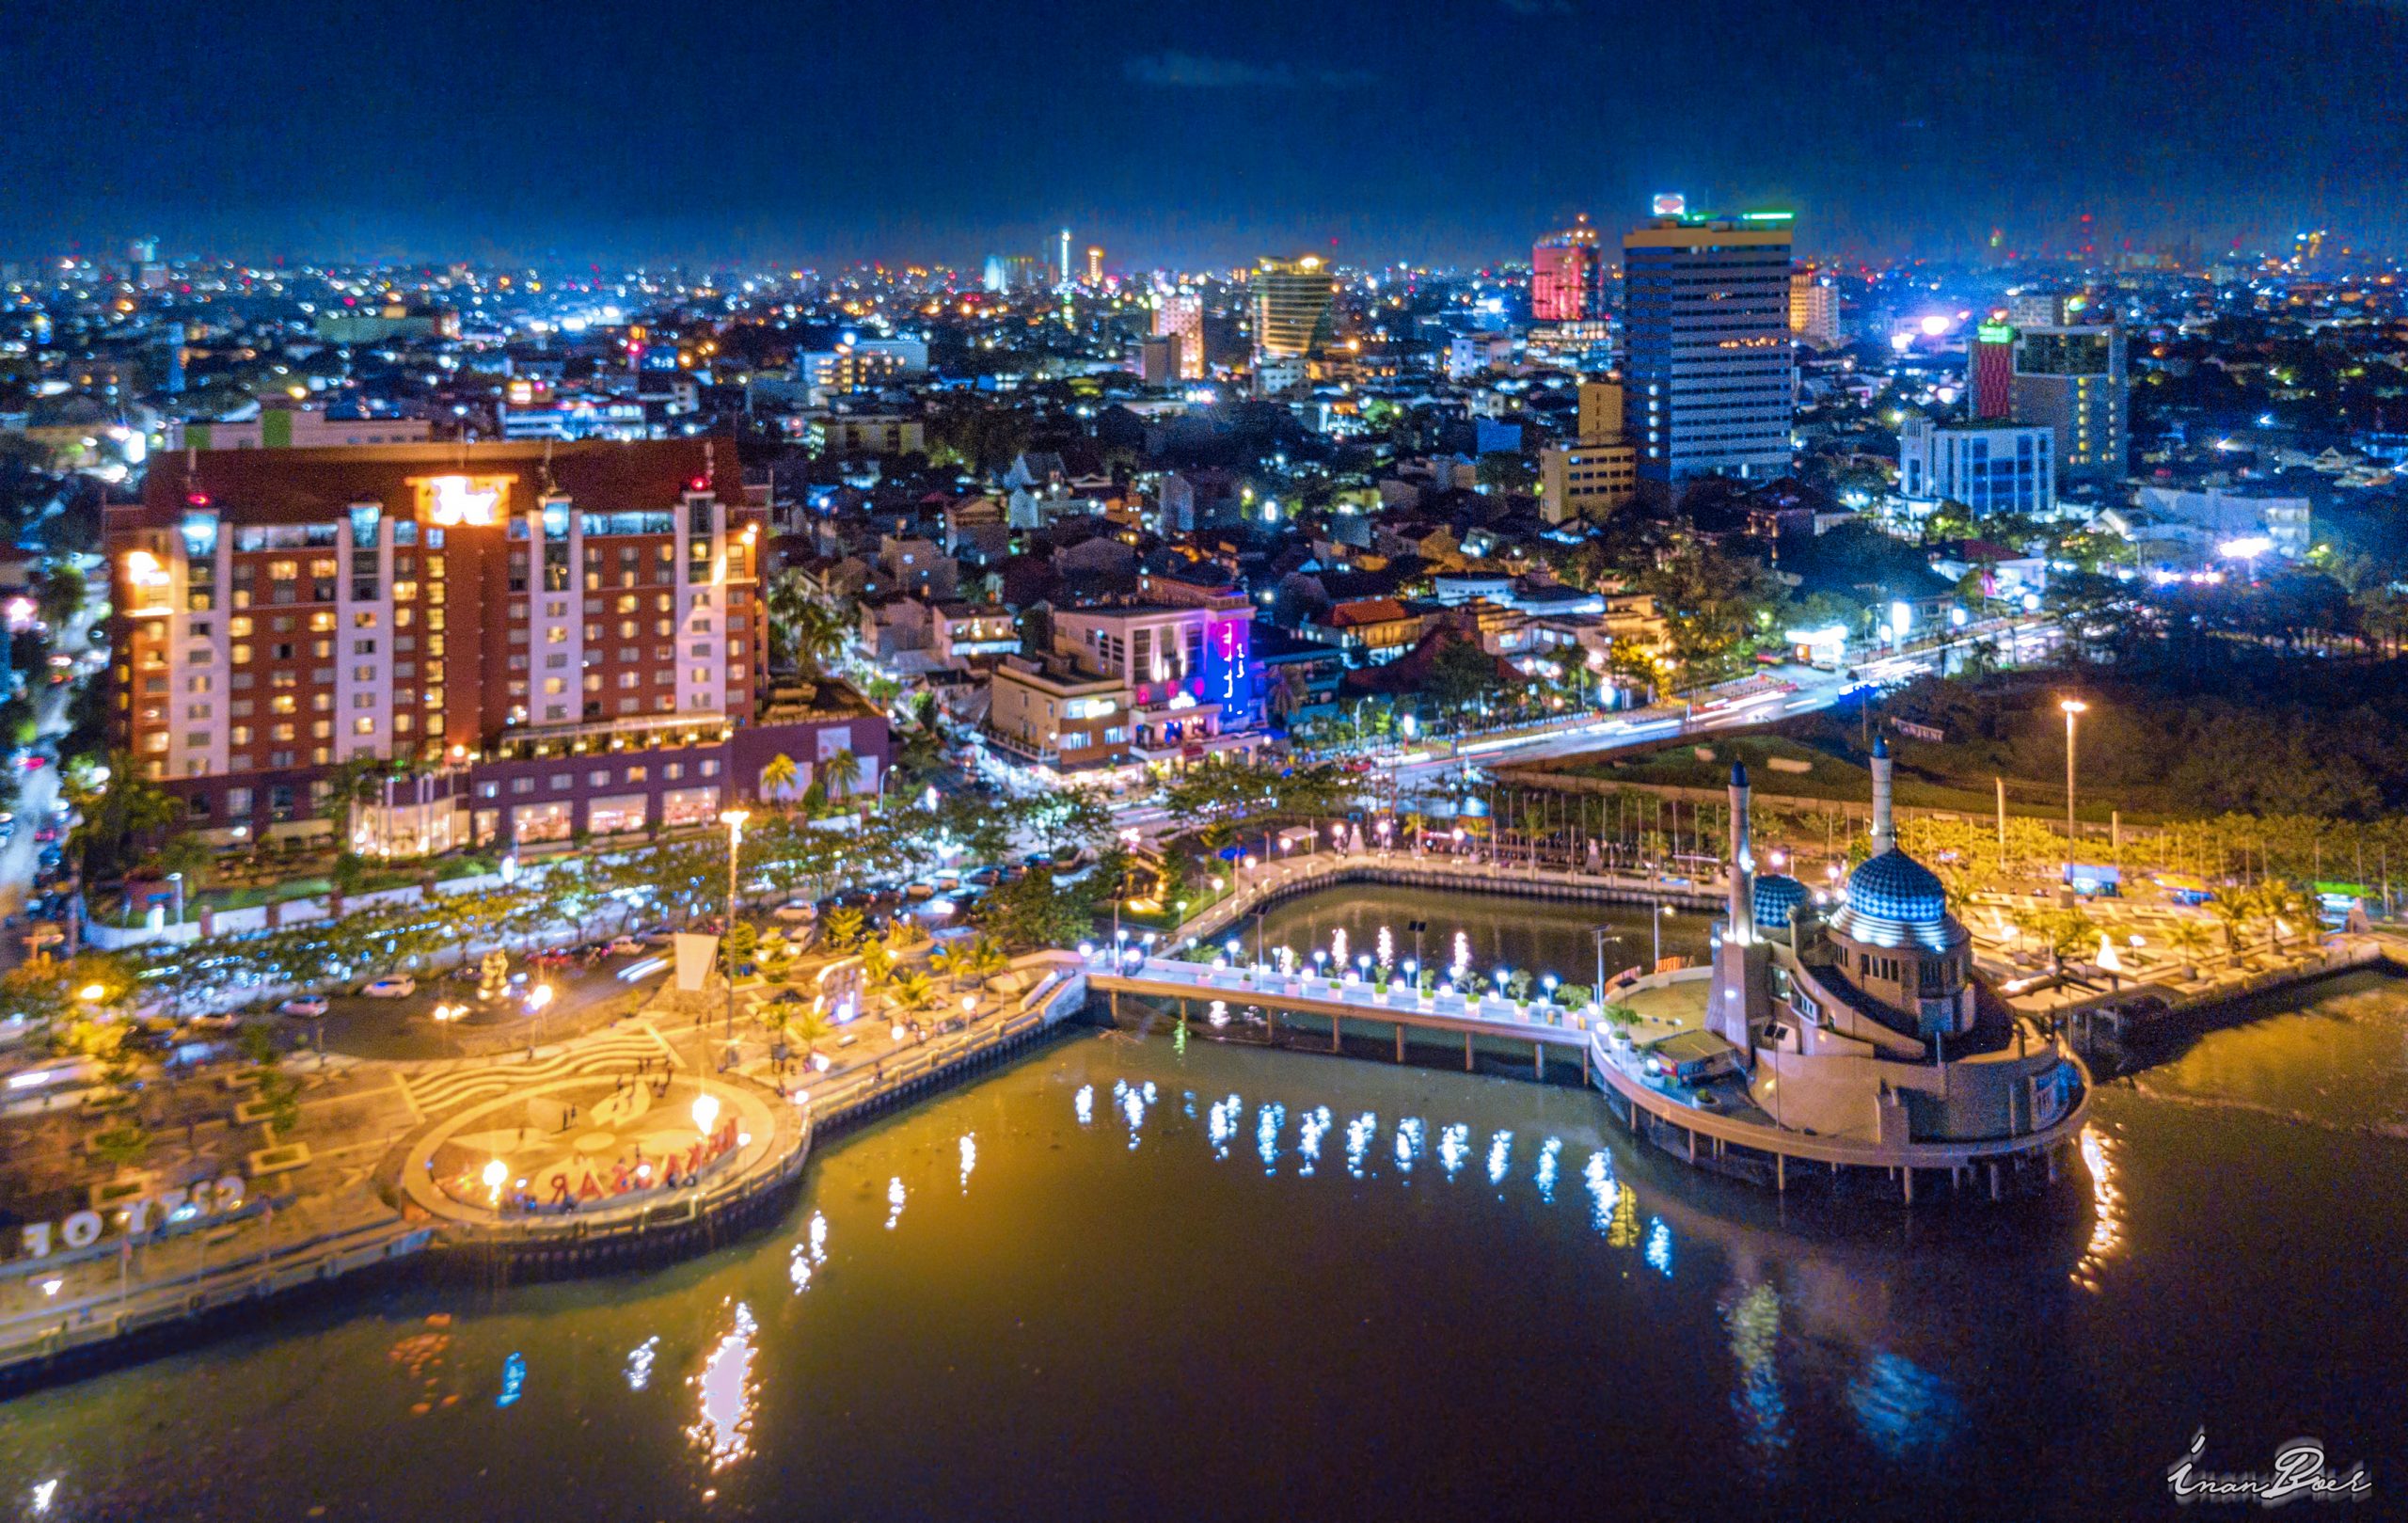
<point x="616" y="1149"/>
<point x="605" y="1056"/>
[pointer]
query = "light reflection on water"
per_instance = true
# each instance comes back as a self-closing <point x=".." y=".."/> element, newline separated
<point x="1755" y="1342"/>
<point x="1310" y="1129"/>
<point x="2107" y="1219"/>
<point x="726" y="1394"/>
<point x="1221" y="1124"/>
<point x="640" y="1361"/>
<point x="1905" y="1409"/>
<point x="1659" y="1247"/>
<point x="1455" y="1146"/>
<point x="1359" y="1133"/>
<point x="1604" y="1189"/>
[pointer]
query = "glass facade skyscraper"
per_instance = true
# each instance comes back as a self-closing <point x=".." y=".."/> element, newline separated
<point x="1292" y="307"/>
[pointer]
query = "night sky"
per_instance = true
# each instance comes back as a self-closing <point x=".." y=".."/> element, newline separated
<point x="1188" y="134"/>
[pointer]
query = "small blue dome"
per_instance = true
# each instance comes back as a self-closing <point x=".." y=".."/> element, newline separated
<point x="1775" y="897"/>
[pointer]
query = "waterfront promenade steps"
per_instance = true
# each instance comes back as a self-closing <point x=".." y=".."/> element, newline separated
<point x="602" y="1057"/>
<point x="2106" y="1023"/>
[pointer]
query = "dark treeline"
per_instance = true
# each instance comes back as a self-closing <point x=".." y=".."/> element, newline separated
<point x="2190" y="725"/>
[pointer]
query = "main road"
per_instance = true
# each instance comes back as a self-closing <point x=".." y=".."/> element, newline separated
<point x="1803" y="690"/>
<point x="38" y="790"/>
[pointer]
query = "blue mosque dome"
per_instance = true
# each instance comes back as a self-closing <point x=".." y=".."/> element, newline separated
<point x="1775" y="896"/>
<point x="1893" y="900"/>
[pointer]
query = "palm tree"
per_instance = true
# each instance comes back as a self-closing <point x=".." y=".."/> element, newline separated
<point x="975" y="961"/>
<point x="919" y="755"/>
<point x="877" y="961"/>
<point x="2297" y="903"/>
<point x="778" y="777"/>
<point x="841" y="928"/>
<point x="2188" y="939"/>
<point x="116" y="814"/>
<point x="840" y="772"/>
<point x="788" y="1023"/>
<point x="2233" y="911"/>
<point x="806" y="632"/>
<point x="912" y="990"/>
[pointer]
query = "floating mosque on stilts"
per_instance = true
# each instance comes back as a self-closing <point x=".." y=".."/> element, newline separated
<point x="1853" y="1038"/>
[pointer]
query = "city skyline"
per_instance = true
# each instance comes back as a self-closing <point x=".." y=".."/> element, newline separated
<point x="1273" y="133"/>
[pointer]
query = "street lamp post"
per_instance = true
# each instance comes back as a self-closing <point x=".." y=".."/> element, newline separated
<point x="1603" y="936"/>
<point x="2072" y="707"/>
<point x="733" y="820"/>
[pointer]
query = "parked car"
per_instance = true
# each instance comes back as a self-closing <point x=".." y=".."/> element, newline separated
<point x="219" y="1023"/>
<point x="391" y="989"/>
<point x="308" y="1007"/>
<point x="625" y="945"/>
<point x="796" y="912"/>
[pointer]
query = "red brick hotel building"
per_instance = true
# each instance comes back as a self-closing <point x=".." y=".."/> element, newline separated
<point x="553" y="637"/>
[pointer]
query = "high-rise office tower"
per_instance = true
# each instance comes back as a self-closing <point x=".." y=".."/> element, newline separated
<point x="1566" y="270"/>
<point x="1066" y="256"/>
<point x="1007" y="273"/>
<point x="2072" y="380"/>
<point x="1813" y="307"/>
<point x="1710" y="377"/>
<point x="1095" y="265"/>
<point x="1292" y="307"/>
<point x="1181" y="315"/>
<point x="1989" y="374"/>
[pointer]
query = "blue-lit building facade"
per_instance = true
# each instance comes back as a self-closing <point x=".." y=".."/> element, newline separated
<point x="1992" y="470"/>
